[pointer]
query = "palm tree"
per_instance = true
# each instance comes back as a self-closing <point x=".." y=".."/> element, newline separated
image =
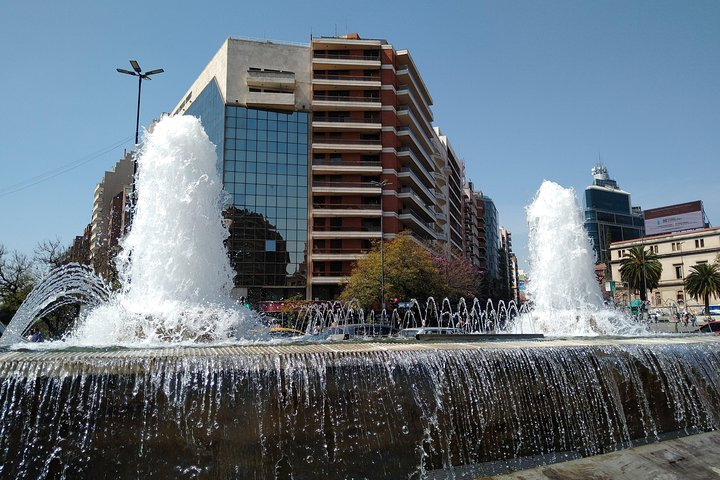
<point x="641" y="269"/>
<point x="703" y="281"/>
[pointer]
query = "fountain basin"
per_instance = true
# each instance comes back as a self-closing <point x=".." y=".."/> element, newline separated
<point x="374" y="410"/>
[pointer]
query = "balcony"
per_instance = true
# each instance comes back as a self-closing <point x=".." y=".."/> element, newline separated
<point x="424" y="146"/>
<point x="332" y="43"/>
<point x="406" y="97"/>
<point x="285" y="101"/>
<point x="332" y="102"/>
<point x="406" y="153"/>
<point x="415" y="222"/>
<point x="339" y="124"/>
<point x="440" y="178"/>
<point x="426" y="211"/>
<point x="345" y="188"/>
<point x="408" y="177"/>
<point x="332" y="61"/>
<point x="419" y="127"/>
<point x="345" y="210"/>
<point x="342" y="82"/>
<point x="284" y="81"/>
<point x="328" y="278"/>
<point x="333" y="167"/>
<point x="338" y="254"/>
<point x="330" y="232"/>
<point x="440" y="197"/>
<point x="337" y="145"/>
<point x="440" y="216"/>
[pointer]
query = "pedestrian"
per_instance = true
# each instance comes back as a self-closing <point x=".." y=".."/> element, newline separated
<point x="693" y="320"/>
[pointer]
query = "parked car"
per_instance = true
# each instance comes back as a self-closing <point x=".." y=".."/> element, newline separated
<point x="358" y="330"/>
<point x="414" y="332"/>
<point x="710" y="327"/>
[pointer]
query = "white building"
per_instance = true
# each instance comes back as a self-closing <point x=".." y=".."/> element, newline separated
<point x="677" y="253"/>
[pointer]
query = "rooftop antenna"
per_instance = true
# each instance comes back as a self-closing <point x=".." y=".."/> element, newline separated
<point x="336" y="29"/>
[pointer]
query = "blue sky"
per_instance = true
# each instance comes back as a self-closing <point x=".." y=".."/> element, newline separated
<point x="525" y="90"/>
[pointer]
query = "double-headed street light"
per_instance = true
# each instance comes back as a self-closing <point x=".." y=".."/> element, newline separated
<point x="381" y="185"/>
<point x="141" y="76"/>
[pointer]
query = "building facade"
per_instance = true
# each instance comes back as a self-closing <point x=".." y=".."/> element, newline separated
<point x="110" y="214"/>
<point x="253" y="100"/>
<point x="609" y="214"/>
<point x="677" y="253"/>
<point x="492" y="238"/>
<point x="325" y="149"/>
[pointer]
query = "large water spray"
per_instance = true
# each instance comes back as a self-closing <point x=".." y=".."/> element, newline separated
<point x="563" y="288"/>
<point x="174" y="269"/>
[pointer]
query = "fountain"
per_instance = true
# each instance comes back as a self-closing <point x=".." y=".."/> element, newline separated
<point x="565" y="293"/>
<point x="166" y="390"/>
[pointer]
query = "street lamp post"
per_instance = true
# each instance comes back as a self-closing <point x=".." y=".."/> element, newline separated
<point x="682" y="274"/>
<point x="382" y="185"/>
<point x="141" y="76"/>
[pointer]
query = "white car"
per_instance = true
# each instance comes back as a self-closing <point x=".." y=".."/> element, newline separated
<point x="414" y="332"/>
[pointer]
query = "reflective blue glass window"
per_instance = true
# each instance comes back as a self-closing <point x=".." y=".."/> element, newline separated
<point x="265" y="153"/>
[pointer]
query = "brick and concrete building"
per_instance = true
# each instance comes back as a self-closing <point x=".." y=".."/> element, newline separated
<point x="319" y="145"/>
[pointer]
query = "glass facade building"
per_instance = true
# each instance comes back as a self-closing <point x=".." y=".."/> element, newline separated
<point x="263" y="158"/>
<point x="609" y="215"/>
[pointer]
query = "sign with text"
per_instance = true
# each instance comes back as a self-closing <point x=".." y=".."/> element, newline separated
<point x="674" y="218"/>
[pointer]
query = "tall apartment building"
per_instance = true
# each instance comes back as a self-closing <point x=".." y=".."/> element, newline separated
<point x="110" y="213"/>
<point x="508" y="266"/>
<point x="609" y="214"/>
<point x="320" y="145"/>
<point x="492" y="239"/>
<point x="474" y="226"/>
<point x="372" y="124"/>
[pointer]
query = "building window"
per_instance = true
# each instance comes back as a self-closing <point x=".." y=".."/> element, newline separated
<point x="678" y="271"/>
<point x="658" y="298"/>
<point x="654" y="249"/>
<point x="680" y="296"/>
<point x="700" y="243"/>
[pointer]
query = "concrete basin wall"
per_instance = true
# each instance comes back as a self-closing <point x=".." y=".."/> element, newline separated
<point x="373" y="410"/>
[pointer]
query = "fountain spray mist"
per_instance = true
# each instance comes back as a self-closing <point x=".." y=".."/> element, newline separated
<point x="563" y="288"/>
<point x="174" y="269"/>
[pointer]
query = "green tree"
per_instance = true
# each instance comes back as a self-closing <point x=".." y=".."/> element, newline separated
<point x="409" y="273"/>
<point x="703" y="281"/>
<point x="641" y="268"/>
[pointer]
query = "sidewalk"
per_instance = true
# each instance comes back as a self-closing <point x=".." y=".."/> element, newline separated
<point x="678" y="327"/>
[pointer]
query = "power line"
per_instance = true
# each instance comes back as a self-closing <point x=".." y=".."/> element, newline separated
<point x="31" y="182"/>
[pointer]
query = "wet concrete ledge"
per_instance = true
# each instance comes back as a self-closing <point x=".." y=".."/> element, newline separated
<point x="45" y="353"/>
<point x="694" y="457"/>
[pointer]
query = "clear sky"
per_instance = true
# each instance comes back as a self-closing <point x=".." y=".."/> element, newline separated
<point x="525" y="90"/>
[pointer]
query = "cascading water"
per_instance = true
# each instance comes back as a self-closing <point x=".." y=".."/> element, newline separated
<point x="347" y="410"/>
<point x="175" y="273"/>
<point x="66" y="284"/>
<point x="563" y="287"/>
